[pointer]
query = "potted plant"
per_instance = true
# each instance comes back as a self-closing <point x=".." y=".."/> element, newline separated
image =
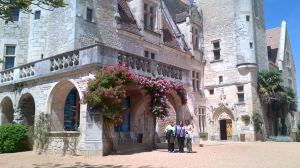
<point x="203" y="137"/>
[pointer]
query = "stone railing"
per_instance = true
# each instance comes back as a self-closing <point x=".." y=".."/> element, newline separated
<point x="169" y="71"/>
<point x="65" y="61"/>
<point x="7" y="76"/>
<point x="95" y="55"/>
<point x="135" y="62"/>
<point x="27" y="71"/>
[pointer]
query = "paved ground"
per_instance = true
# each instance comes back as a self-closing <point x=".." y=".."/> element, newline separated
<point x="220" y="155"/>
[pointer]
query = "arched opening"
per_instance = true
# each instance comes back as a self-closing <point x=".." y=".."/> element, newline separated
<point x="27" y="107"/>
<point x="223" y="119"/>
<point x="64" y="107"/>
<point x="7" y="111"/>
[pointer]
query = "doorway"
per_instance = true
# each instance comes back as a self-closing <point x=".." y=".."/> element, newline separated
<point x="226" y="129"/>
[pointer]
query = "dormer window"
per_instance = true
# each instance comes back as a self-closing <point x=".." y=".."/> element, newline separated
<point x="149" y="16"/>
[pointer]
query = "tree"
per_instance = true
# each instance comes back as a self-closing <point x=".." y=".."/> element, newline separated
<point x="270" y="89"/>
<point x="280" y="99"/>
<point x="24" y="6"/>
<point x="1" y="61"/>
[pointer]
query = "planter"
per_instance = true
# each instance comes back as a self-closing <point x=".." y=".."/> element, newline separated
<point x="203" y="139"/>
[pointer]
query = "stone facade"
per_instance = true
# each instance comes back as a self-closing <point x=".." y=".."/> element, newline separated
<point x="63" y="49"/>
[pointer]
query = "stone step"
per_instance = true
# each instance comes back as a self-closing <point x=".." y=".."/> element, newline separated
<point x="132" y="148"/>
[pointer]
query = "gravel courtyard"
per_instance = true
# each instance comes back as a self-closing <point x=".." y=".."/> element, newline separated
<point x="213" y="154"/>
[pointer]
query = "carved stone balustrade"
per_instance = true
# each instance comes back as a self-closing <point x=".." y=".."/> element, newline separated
<point x="27" y="71"/>
<point x="134" y="62"/>
<point x="63" y="62"/>
<point x="169" y="71"/>
<point x="7" y="76"/>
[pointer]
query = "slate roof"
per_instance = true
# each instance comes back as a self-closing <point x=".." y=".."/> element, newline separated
<point x="177" y="9"/>
<point x="273" y="43"/>
<point x="169" y="37"/>
<point x="127" y="20"/>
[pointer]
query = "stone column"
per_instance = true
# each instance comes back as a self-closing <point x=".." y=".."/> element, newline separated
<point x="93" y="145"/>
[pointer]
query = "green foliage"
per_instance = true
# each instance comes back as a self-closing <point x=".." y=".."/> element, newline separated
<point x="39" y="130"/>
<point x="257" y="120"/>
<point x="1" y="61"/>
<point x="12" y="137"/>
<point x="19" y="87"/>
<point x="24" y="6"/>
<point x="279" y="139"/>
<point x="298" y="136"/>
<point x="203" y="135"/>
<point x="246" y="118"/>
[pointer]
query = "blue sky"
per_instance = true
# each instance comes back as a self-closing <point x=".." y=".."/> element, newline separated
<point x="288" y="10"/>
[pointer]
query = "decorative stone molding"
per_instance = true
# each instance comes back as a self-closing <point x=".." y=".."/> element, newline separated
<point x="7" y="76"/>
<point x="63" y="62"/>
<point x="27" y="71"/>
<point x="223" y="116"/>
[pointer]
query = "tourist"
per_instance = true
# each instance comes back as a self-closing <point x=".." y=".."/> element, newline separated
<point x="170" y="136"/>
<point x="189" y="135"/>
<point x="180" y="133"/>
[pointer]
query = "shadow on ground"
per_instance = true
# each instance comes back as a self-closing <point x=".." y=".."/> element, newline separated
<point x="82" y="165"/>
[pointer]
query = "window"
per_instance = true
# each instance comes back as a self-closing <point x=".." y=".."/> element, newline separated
<point x="290" y="82"/>
<point x="196" y="81"/>
<point x="42" y="56"/>
<point x="211" y="91"/>
<point x="290" y="72"/>
<point x="10" y="50"/>
<point x="37" y="15"/>
<point x="247" y="18"/>
<point x="152" y="56"/>
<point x="220" y="79"/>
<point x="16" y="13"/>
<point x="240" y="90"/>
<point x="202" y="119"/>
<point x="288" y="61"/>
<point x="9" y="62"/>
<point x="251" y="45"/>
<point x="146" y="54"/>
<point x="89" y="15"/>
<point x="149" y="17"/>
<point x="217" y="50"/>
<point x="241" y="98"/>
<point x="256" y="8"/>
<point x="195" y="38"/>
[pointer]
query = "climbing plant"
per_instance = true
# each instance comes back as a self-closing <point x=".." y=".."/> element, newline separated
<point x="257" y="121"/>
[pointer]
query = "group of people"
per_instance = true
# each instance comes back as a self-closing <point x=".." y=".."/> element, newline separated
<point x="182" y="133"/>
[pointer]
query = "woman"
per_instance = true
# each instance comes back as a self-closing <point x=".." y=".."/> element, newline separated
<point x="180" y="132"/>
<point x="189" y="130"/>
<point x="170" y="136"/>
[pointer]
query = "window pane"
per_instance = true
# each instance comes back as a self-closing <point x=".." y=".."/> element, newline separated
<point x="247" y="18"/>
<point x="193" y="74"/>
<point x="151" y="23"/>
<point x="11" y="50"/>
<point x="151" y="10"/>
<point x="9" y="62"/>
<point x="241" y="97"/>
<point x="251" y="45"/>
<point x="146" y="54"/>
<point x="197" y="75"/>
<point x="212" y="92"/>
<point x="152" y="56"/>
<point x="241" y="89"/>
<point x="145" y="20"/>
<point x="37" y="15"/>
<point x="217" y="55"/>
<point x="16" y="13"/>
<point x="89" y="13"/>
<point x="145" y="6"/>
<point x="198" y="84"/>
<point x="216" y="45"/>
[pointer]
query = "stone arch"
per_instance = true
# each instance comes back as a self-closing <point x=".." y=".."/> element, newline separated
<point x="6" y="111"/>
<point x="56" y="102"/>
<point x="26" y="109"/>
<point x="222" y="110"/>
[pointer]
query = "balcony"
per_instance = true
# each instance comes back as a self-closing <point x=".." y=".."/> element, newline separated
<point x="89" y="57"/>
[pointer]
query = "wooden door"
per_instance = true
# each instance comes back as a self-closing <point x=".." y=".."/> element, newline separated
<point x="229" y="129"/>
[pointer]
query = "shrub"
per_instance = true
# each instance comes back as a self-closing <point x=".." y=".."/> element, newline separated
<point x="257" y="120"/>
<point x="298" y="136"/>
<point x="246" y="118"/>
<point x="203" y="135"/>
<point x="279" y="139"/>
<point x="12" y="137"/>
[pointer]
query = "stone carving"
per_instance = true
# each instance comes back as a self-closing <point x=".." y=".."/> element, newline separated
<point x="223" y="116"/>
<point x="64" y="62"/>
<point x="27" y="71"/>
<point x="142" y="64"/>
<point x="7" y="76"/>
<point x="171" y="72"/>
